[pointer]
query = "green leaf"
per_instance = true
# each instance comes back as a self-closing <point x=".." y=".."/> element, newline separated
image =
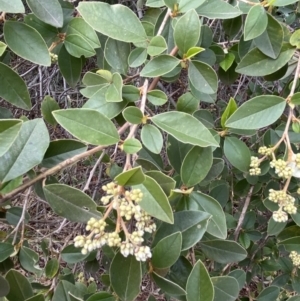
<point x="39" y="297"/>
<point x="6" y="249"/>
<point x="202" y="202"/>
<point x="196" y="165"/>
<point x="228" y="61"/>
<point x="137" y="57"/>
<point x="78" y="122"/>
<point x="26" y="42"/>
<point x="187" y="103"/>
<point x="78" y="46"/>
<point x="125" y="277"/>
<point x="62" y="291"/>
<point x="94" y="82"/>
<point x="51" y="268"/>
<point x="187" y="31"/>
<point x="230" y="109"/>
<point x="188" y="130"/>
<point x="160" y="65"/>
<point x="274" y="228"/>
<point x="281" y="2"/>
<point x="257" y="112"/>
<point x="199" y="285"/>
<point x="13" y="89"/>
<point x="240" y="276"/>
<point x="154" y="201"/>
<point x="21" y="287"/>
<point x="29" y="261"/>
<point x="269" y="293"/>
<point x="157" y="46"/>
<point x="131" y="146"/>
<point x="186" y="5"/>
<point x="71" y="203"/>
<point x="9" y="131"/>
<point x="13" y="7"/>
<point x="237" y="153"/>
<point x="33" y="139"/>
<point x="101" y="296"/>
<point x="48" y="105"/>
<point x="155" y="3"/>
<point x="192" y="224"/>
<point x="69" y="66"/>
<point x="194" y="51"/>
<point x="255" y="63"/>
<point x="270" y="41"/>
<point x="152" y="138"/>
<point x="223" y="251"/>
<point x="167" y="251"/>
<point x="13" y="215"/>
<point x="165" y="182"/>
<point x="109" y="109"/>
<point x="133" y="115"/>
<point x="168" y="286"/>
<point x="49" y="12"/>
<point x="4" y="287"/>
<point x="218" y="9"/>
<point x="61" y="150"/>
<point x="114" y="91"/>
<point x="116" y="53"/>
<point x="3" y="47"/>
<point x="79" y="27"/>
<point x="115" y="21"/>
<point x="203" y="77"/>
<point x="70" y="254"/>
<point x="295" y="39"/>
<point x="291" y="244"/>
<point x="133" y="176"/>
<point x="256" y="22"/>
<point x="157" y="97"/>
<point x="226" y="288"/>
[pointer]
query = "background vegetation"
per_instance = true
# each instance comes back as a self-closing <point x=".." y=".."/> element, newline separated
<point x="149" y="150"/>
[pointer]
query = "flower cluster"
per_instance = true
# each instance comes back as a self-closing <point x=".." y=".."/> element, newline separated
<point x="54" y="57"/>
<point x="295" y="257"/>
<point x="286" y="204"/>
<point x="254" y="164"/>
<point x="282" y="168"/>
<point x="126" y="204"/>
<point x="263" y="150"/>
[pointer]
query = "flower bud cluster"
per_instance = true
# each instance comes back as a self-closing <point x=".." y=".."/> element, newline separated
<point x="254" y="164"/>
<point x="263" y="150"/>
<point x="285" y="202"/>
<point x="126" y="205"/>
<point x="54" y="57"/>
<point x="282" y="168"/>
<point x="295" y="257"/>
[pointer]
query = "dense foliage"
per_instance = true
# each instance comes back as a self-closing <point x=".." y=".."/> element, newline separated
<point x="171" y="153"/>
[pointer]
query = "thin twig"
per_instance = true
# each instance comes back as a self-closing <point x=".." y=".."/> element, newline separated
<point x="163" y="24"/>
<point x="86" y="187"/>
<point x="242" y="216"/>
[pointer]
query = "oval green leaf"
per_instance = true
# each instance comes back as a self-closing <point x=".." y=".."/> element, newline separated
<point x="152" y="138"/>
<point x="128" y="269"/>
<point x="133" y="176"/>
<point x="6" y="249"/>
<point x="49" y="12"/>
<point x="167" y="251"/>
<point x="226" y="288"/>
<point x="257" y="112"/>
<point x="13" y="89"/>
<point x="48" y="105"/>
<point x="131" y="146"/>
<point x="9" y="131"/>
<point x="155" y="202"/>
<point x="196" y="165"/>
<point x="116" y="21"/>
<point x="71" y="203"/>
<point x="26" y="42"/>
<point x="78" y="46"/>
<point x="78" y="122"/>
<point x="13" y="7"/>
<point x="133" y="115"/>
<point x="51" y="268"/>
<point x="185" y="128"/>
<point x="199" y="285"/>
<point x="256" y="22"/>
